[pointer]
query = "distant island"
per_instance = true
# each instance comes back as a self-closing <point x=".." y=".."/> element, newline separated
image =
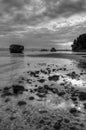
<point x="79" y="44"/>
<point x="51" y="50"/>
<point x="16" y="48"/>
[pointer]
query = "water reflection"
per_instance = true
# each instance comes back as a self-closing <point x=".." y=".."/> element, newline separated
<point x="17" y="66"/>
<point x="82" y="64"/>
<point x="10" y="68"/>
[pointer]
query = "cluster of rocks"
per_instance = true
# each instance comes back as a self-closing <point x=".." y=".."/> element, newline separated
<point x="73" y="75"/>
<point x="42" y="83"/>
<point x="13" y="90"/>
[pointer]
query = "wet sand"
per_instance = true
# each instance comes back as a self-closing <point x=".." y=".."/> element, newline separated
<point x="46" y="96"/>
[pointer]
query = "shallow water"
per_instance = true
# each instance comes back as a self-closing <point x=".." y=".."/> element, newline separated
<point x="32" y="113"/>
<point x="14" y="65"/>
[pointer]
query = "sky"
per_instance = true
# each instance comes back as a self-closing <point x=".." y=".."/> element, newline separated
<point x="41" y="23"/>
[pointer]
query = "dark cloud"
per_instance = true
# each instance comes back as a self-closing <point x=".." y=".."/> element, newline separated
<point x="65" y="8"/>
<point x="54" y="9"/>
<point x="17" y="12"/>
<point x="15" y="3"/>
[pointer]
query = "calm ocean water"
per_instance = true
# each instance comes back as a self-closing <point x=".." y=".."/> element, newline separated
<point x="12" y="66"/>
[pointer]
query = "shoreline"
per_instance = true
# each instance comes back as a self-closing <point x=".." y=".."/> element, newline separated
<point x="59" y="55"/>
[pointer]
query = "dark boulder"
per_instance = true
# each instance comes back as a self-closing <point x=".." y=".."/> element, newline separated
<point x="21" y="103"/>
<point x="82" y="96"/>
<point x="73" y="75"/>
<point x="6" y="92"/>
<point x="58" y="124"/>
<point x="53" y="49"/>
<point x="18" y="89"/>
<point x="53" y="77"/>
<point x="16" y="48"/>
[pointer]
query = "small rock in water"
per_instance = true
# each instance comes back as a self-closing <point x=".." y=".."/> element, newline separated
<point x="73" y="128"/>
<point x="73" y="75"/>
<point x="31" y="98"/>
<point x="41" y="80"/>
<point x="54" y="77"/>
<point x="66" y="120"/>
<point x="41" y="95"/>
<point x="17" y="89"/>
<point x="84" y="105"/>
<point x="74" y="111"/>
<point x="7" y="100"/>
<point x="21" y="103"/>
<point x="57" y="125"/>
<point x="12" y="118"/>
<point x="82" y="96"/>
<point x="6" y="92"/>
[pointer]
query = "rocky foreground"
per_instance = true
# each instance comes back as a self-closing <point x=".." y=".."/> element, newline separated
<point x="46" y="97"/>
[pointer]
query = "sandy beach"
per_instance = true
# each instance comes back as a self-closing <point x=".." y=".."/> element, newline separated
<point x="46" y="92"/>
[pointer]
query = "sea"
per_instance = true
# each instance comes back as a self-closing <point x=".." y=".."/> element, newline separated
<point x="13" y="65"/>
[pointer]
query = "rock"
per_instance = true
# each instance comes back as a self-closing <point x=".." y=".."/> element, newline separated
<point x="41" y="95"/>
<point x="74" y="128"/>
<point x="84" y="105"/>
<point x="31" y="98"/>
<point x="54" y="78"/>
<point x="7" y="100"/>
<point x="61" y="93"/>
<point x="57" y="125"/>
<point x="43" y="71"/>
<point x="21" y="103"/>
<point x="74" y="111"/>
<point x="73" y="75"/>
<point x="74" y="99"/>
<point x="16" y="48"/>
<point x="41" y="80"/>
<point x="6" y="88"/>
<point x="42" y="90"/>
<point x="53" y="49"/>
<point x="53" y="90"/>
<point x="82" y="96"/>
<point x="41" y="121"/>
<point x="34" y="74"/>
<point x="18" y="89"/>
<point x="48" y="70"/>
<point x="44" y="50"/>
<point x="6" y="92"/>
<point x="12" y="118"/>
<point x="66" y="120"/>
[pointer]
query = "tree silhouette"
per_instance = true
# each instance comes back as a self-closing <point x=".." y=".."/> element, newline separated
<point x="79" y="43"/>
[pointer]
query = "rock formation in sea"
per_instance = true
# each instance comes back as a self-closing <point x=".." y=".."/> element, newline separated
<point x="53" y="49"/>
<point x="79" y="44"/>
<point x="16" y="48"/>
